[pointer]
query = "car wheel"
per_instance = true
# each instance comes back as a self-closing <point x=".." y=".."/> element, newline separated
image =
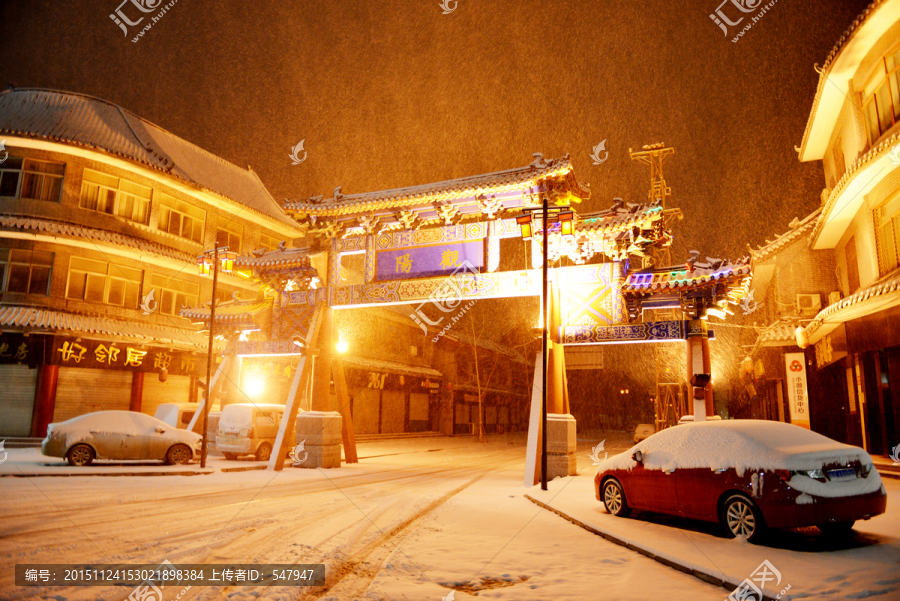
<point x="179" y="454"/>
<point x="741" y="518"/>
<point x="263" y="452"/>
<point x="230" y="456"/>
<point x="614" y="498"/>
<point x="80" y="455"/>
<point x="836" y="528"/>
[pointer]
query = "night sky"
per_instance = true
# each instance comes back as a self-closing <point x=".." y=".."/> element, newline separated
<point x="392" y="94"/>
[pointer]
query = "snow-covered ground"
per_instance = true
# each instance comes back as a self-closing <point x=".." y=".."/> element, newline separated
<point x="414" y="519"/>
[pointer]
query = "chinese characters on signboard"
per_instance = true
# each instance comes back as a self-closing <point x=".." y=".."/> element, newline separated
<point x="427" y="261"/>
<point x="795" y="370"/>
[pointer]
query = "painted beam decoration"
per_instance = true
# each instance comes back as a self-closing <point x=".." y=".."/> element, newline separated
<point x="654" y="331"/>
<point x="591" y="295"/>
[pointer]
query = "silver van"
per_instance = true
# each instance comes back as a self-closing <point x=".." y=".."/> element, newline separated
<point x="249" y="429"/>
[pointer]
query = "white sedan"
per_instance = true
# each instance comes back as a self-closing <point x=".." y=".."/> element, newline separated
<point x="119" y="435"/>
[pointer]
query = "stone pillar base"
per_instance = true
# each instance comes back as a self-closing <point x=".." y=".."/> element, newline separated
<point x="320" y="432"/>
<point x="560" y="445"/>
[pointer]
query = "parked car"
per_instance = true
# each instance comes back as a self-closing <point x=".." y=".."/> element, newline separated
<point x="748" y="475"/>
<point x="248" y="429"/>
<point x="643" y="431"/>
<point x="177" y="415"/>
<point x="119" y="435"/>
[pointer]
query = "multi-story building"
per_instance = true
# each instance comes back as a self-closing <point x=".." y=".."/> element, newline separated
<point x="102" y="217"/>
<point x="854" y="129"/>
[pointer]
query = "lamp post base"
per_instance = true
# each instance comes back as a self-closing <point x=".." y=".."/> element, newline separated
<point x="561" y="444"/>
<point x="320" y="433"/>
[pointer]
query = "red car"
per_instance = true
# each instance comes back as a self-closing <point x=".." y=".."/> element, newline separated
<point x="748" y="475"/>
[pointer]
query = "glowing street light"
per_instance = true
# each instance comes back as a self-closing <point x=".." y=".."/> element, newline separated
<point x="341" y="346"/>
<point x="221" y="260"/>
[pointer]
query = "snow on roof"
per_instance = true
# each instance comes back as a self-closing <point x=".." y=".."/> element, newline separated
<point x="83" y="120"/>
<point x="740" y="444"/>
<point x="798" y="227"/>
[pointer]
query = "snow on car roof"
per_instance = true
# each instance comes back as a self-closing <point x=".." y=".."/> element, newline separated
<point x="741" y="444"/>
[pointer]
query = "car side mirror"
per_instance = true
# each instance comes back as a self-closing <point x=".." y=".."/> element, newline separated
<point x="638" y="456"/>
<point x="159" y="430"/>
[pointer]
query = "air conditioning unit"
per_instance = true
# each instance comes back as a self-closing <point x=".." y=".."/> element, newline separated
<point x="834" y="297"/>
<point x="809" y="304"/>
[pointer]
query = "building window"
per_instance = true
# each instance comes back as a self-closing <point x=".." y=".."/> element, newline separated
<point x="229" y="235"/>
<point x="25" y="271"/>
<point x="28" y="178"/>
<point x="881" y="101"/>
<point x="887" y="234"/>
<point x="101" y="282"/>
<point x="106" y="194"/>
<point x="180" y="218"/>
<point x="839" y="166"/>
<point x="852" y="265"/>
<point x="268" y="242"/>
<point x="172" y="294"/>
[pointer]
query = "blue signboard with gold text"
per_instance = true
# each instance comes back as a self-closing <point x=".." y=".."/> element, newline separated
<point x="428" y="261"/>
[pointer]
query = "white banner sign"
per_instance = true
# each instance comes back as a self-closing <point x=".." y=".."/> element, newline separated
<point x="795" y="368"/>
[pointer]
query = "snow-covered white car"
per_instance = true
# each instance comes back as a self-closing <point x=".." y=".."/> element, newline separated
<point x="120" y="435"/>
<point x="745" y="474"/>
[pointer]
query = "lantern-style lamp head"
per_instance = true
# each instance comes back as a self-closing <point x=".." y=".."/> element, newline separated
<point x="204" y="265"/>
<point x="524" y="222"/>
<point x="226" y="261"/>
<point x="567" y="223"/>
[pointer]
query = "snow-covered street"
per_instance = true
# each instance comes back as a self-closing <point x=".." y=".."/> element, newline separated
<point x="413" y="520"/>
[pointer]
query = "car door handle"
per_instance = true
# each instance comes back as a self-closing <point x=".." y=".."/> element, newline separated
<point x="720" y="470"/>
<point x="667" y="472"/>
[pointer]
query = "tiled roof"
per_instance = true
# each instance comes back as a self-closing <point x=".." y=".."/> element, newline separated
<point x="82" y="120"/>
<point x="825" y="70"/>
<point x="391" y="366"/>
<point x="54" y="228"/>
<point x="31" y="319"/>
<point x="881" y="149"/>
<point x="231" y="314"/>
<point x="798" y="228"/>
<point x="620" y="216"/>
<point x="779" y="333"/>
<point x="450" y="190"/>
<point x="889" y="285"/>
<point x="276" y="259"/>
<point x="678" y="278"/>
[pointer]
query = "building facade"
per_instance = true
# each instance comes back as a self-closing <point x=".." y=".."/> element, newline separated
<point x="854" y="129"/>
<point x="102" y="217"/>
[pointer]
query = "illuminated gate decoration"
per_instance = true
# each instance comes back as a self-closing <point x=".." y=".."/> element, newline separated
<point x="423" y="244"/>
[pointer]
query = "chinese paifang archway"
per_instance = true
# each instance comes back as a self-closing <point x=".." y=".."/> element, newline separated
<point x="425" y="244"/>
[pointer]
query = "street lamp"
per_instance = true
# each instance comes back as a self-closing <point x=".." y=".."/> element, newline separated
<point x="222" y="260"/>
<point x="563" y="215"/>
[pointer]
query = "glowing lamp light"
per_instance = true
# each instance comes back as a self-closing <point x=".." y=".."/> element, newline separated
<point x="567" y="223"/>
<point x="802" y="337"/>
<point x="254" y="386"/>
<point x="226" y="261"/>
<point x="204" y="265"/>
<point x="716" y="312"/>
<point x="341" y="346"/>
<point x="524" y="222"/>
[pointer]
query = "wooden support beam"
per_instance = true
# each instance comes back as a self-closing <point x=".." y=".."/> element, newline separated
<point x="343" y="396"/>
